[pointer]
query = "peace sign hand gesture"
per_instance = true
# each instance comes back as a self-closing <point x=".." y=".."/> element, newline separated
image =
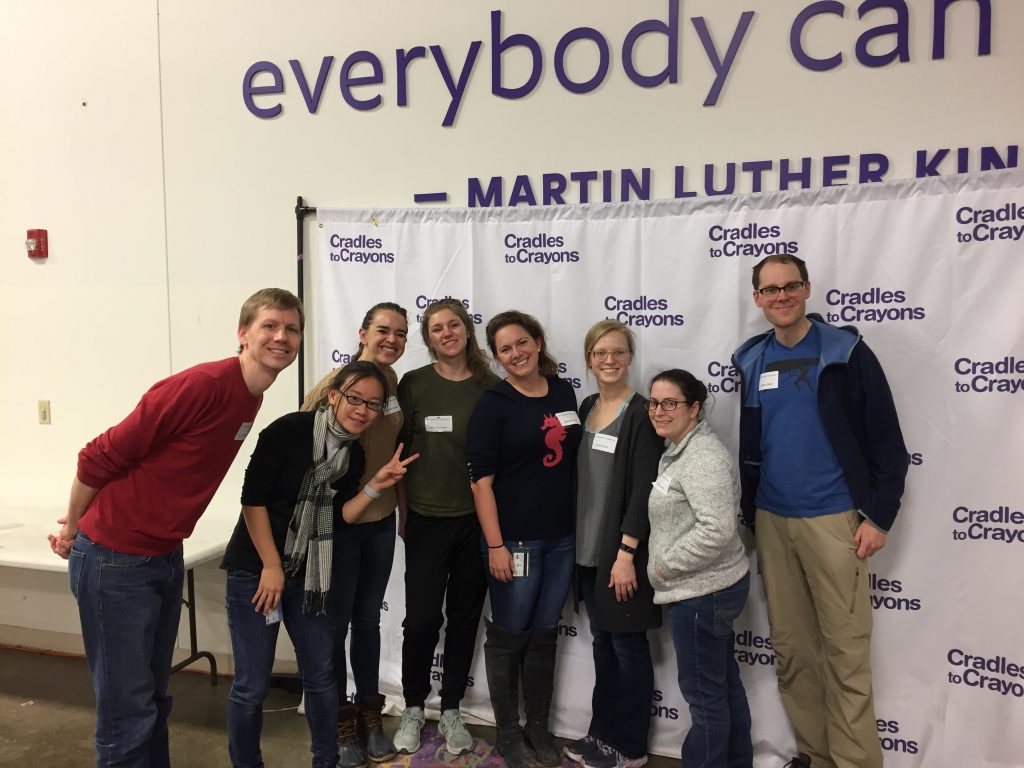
<point x="391" y="472"/>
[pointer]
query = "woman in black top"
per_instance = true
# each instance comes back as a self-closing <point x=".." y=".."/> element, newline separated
<point x="522" y="442"/>
<point x="618" y="461"/>
<point x="302" y="476"/>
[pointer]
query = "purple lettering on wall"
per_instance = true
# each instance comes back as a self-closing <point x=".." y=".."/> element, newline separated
<point x="604" y="57"/>
<point x="656" y="27"/>
<point x="901" y="29"/>
<point x="722" y="66"/>
<point x="796" y="44"/>
<point x="455" y="89"/>
<point x="402" y="60"/>
<point x="249" y="89"/>
<point x="349" y="81"/>
<point x="498" y="46"/>
<point x="312" y="99"/>
<point x="984" y="27"/>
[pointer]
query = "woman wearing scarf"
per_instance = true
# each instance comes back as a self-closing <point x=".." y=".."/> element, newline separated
<point x="363" y="555"/>
<point x="302" y="477"/>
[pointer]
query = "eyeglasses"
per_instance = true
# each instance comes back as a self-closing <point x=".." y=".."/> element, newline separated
<point x="771" y="291"/>
<point x="614" y="354"/>
<point x="667" y="405"/>
<point x="373" y="405"/>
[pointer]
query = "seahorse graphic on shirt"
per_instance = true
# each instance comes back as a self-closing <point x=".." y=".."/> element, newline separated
<point x="553" y="439"/>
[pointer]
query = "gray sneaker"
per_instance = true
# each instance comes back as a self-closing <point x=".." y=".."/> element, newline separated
<point x="456" y="736"/>
<point x="407" y="737"/>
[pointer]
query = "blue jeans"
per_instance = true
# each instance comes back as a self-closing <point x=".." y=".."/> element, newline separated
<point x="253" y="643"/>
<point x="129" y="606"/>
<point x="623" y="682"/>
<point x="709" y="678"/>
<point x="363" y="554"/>
<point x="533" y="601"/>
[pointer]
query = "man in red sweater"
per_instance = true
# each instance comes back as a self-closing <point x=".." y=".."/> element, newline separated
<point x="139" y="491"/>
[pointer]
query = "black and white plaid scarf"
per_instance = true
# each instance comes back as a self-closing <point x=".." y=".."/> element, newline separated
<point x="311" y="530"/>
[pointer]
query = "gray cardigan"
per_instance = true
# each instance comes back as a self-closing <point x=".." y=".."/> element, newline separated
<point x="695" y="548"/>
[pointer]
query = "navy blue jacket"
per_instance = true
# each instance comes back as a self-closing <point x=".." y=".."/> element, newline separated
<point x="858" y="414"/>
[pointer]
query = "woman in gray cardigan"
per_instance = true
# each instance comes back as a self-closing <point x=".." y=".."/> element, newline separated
<point x="698" y="568"/>
<point x="616" y="464"/>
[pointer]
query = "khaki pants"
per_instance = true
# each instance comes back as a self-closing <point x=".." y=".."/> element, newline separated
<point x="820" y="614"/>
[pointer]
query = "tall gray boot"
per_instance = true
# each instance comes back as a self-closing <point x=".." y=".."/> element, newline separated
<point x="538" y="684"/>
<point x="503" y="651"/>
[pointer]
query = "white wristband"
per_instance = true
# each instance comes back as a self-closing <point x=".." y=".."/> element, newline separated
<point x="370" y="492"/>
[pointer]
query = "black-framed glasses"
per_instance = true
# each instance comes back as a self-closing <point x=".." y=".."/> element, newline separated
<point x="667" y="405"/>
<point x="373" y="405"/>
<point x="770" y="291"/>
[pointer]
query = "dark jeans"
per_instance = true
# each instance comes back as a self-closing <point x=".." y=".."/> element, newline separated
<point x="442" y="567"/>
<point x="253" y="643"/>
<point x="709" y="678"/>
<point x="129" y="606"/>
<point x="362" y="559"/>
<point x="533" y="601"/>
<point x="623" y="682"/>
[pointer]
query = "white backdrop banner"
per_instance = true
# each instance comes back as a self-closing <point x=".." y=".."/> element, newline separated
<point x="930" y="271"/>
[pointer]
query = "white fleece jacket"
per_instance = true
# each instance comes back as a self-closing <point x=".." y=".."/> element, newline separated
<point x="695" y="548"/>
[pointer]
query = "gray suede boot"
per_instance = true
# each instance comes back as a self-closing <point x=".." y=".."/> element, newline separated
<point x="538" y="684"/>
<point x="503" y="650"/>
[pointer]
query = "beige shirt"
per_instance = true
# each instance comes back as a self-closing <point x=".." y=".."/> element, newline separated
<point x="379" y="441"/>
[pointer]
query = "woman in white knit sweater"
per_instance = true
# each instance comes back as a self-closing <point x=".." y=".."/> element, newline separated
<point x="698" y="569"/>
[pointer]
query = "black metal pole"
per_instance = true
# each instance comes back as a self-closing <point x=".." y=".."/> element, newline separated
<point x="301" y="212"/>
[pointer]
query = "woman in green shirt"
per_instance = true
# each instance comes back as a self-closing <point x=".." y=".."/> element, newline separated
<point x="438" y="522"/>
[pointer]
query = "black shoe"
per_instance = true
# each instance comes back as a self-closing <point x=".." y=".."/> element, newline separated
<point x="800" y="761"/>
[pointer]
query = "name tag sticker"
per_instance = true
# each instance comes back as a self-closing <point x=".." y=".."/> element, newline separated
<point x="392" y="406"/>
<point x="567" y="418"/>
<point x="662" y="484"/>
<point x="520" y="564"/>
<point x="605" y="443"/>
<point x="438" y="423"/>
<point x="243" y="430"/>
<point x="768" y="380"/>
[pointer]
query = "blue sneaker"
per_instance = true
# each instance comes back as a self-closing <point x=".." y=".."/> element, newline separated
<point x="578" y="750"/>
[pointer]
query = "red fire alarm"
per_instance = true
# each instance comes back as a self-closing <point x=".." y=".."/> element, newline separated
<point x="36" y="245"/>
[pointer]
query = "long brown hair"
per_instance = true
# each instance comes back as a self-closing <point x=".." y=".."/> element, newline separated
<point x="546" y="364"/>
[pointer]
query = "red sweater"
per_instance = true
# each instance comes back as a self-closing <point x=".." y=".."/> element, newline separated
<point x="158" y="469"/>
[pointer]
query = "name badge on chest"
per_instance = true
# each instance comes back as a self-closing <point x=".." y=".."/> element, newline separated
<point x="567" y="418"/>
<point x="605" y="443"/>
<point x="768" y="380"/>
<point x="392" y="406"/>
<point x="662" y="484"/>
<point x="438" y="423"/>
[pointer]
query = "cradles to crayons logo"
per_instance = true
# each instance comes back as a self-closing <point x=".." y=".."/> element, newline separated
<point x="538" y="249"/>
<point x="361" y="249"/>
<point x="1004" y="375"/>
<point x="753" y="650"/>
<point x="642" y="311"/>
<point x="577" y="383"/>
<point x="891" y="741"/>
<point x="662" y="710"/>
<point x="1001" y="524"/>
<point x="437" y="670"/>
<point x="422" y="302"/>
<point x="985" y="224"/>
<point x="888" y="594"/>
<point x="723" y="377"/>
<point x="755" y="240"/>
<point x="874" y="305"/>
<point x="988" y="673"/>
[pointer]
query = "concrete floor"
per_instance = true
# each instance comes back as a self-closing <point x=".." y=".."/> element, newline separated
<point x="46" y="718"/>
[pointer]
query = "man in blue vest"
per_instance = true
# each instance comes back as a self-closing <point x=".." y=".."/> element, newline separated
<point x="822" y="463"/>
